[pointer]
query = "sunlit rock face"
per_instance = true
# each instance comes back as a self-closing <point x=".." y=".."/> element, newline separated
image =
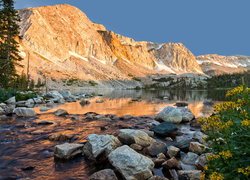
<point x="213" y="64"/>
<point x="62" y="43"/>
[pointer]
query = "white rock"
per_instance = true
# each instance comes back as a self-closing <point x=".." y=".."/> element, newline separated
<point x="24" y="112"/>
<point x="67" y="150"/>
<point x="131" y="136"/>
<point x="131" y="164"/>
<point x="11" y="100"/>
<point x="100" y="145"/>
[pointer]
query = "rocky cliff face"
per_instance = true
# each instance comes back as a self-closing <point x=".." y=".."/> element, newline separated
<point x="213" y="64"/>
<point x="62" y="44"/>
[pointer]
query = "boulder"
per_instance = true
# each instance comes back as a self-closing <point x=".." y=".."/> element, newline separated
<point x="38" y="100"/>
<point x="98" y="145"/>
<point x="54" y="95"/>
<point x="105" y="174"/>
<point x="175" y="114"/>
<point x="183" y="142"/>
<point x="201" y="162"/>
<point x="190" y="158"/>
<point x="197" y="147"/>
<point x="11" y="100"/>
<point x="67" y="150"/>
<point x="172" y="151"/>
<point x="66" y="94"/>
<point x="187" y="115"/>
<point x="172" y="163"/>
<point x="131" y="136"/>
<point x="190" y="174"/>
<point x="61" y="112"/>
<point x="131" y="164"/>
<point x="199" y="136"/>
<point x="170" y="114"/>
<point x="24" y="112"/>
<point x="156" y="148"/>
<point x="184" y="166"/>
<point x="164" y="129"/>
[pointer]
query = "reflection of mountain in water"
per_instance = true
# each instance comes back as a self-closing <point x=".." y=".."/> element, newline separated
<point x="192" y="95"/>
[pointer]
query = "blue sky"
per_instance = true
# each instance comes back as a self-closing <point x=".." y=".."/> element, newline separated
<point x="204" y="26"/>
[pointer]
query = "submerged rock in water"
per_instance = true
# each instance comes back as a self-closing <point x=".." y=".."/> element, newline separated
<point x="61" y="112"/>
<point x="67" y="150"/>
<point x="105" y="174"/>
<point x="98" y="145"/>
<point x="164" y="129"/>
<point x="24" y="112"/>
<point x="131" y="136"/>
<point x="84" y="102"/>
<point x="131" y="164"/>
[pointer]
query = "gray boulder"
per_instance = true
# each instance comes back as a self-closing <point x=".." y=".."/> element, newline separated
<point x="61" y="112"/>
<point x="170" y="114"/>
<point x="156" y="148"/>
<point x="67" y="150"/>
<point x="131" y="136"/>
<point x="100" y="145"/>
<point x="54" y="95"/>
<point x="66" y="94"/>
<point x="175" y="114"/>
<point x="131" y="164"/>
<point x="164" y="129"/>
<point x="187" y="115"/>
<point x="105" y="174"/>
<point x="11" y="100"/>
<point x="24" y="112"/>
<point x="190" y="158"/>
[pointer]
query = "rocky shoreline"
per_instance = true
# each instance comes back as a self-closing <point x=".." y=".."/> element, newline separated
<point x="127" y="147"/>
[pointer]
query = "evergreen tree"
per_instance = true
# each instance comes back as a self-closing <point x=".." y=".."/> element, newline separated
<point x="9" y="31"/>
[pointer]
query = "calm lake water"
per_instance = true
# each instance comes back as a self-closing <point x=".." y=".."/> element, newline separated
<point x="26" y="151"/>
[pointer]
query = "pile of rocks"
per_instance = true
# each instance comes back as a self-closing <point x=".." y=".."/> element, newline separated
<point x="134" y="154"/>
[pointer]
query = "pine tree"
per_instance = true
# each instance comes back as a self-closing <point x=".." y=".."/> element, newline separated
<point x="9" y="31"/>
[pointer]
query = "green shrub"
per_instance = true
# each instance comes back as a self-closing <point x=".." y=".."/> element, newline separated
<point x="228" y="133"/>
<point x="5" y="94"/>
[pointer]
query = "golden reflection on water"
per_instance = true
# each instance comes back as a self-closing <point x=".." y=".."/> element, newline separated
<point x="126" y="106"/>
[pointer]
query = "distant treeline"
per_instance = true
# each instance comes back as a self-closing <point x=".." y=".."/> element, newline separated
<point x="229" y="80"/>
